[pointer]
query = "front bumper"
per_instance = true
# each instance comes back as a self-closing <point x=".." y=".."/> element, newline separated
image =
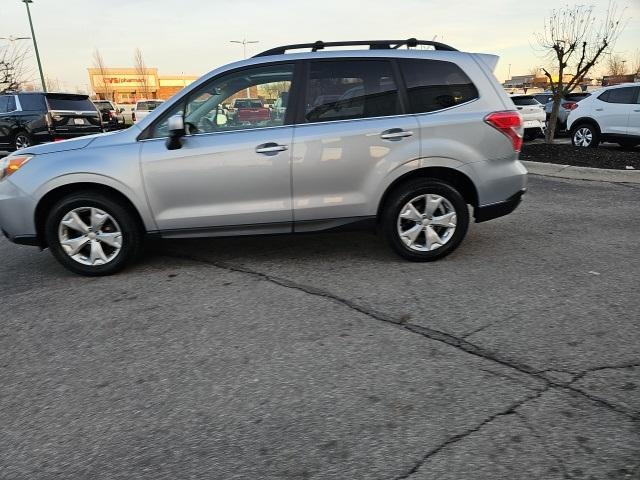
<point x="17" y="213"/>
<point x="499" y="209"/>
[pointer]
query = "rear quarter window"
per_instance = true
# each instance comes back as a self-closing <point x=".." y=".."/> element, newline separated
<point x="435" y="84"/>
<point x="32" y="103"/>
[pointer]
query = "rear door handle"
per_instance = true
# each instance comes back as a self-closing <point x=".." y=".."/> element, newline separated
<point x="395" y="134"/>
<point x="599" y="109"/>
<point x="638" y="110"/>
<point x="270" y="148"/>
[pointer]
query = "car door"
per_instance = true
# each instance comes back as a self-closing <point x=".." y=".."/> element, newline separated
<point x="351" y="131"/>
<point x="612" y="109"/>
<point x="634" y="116"/>
<point x="227" y="177"/>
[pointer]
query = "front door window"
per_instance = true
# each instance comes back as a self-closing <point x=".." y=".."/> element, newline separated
<point x="245" y="99"/>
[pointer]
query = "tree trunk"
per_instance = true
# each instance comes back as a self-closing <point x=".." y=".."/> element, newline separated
<point x="553" y="119"/>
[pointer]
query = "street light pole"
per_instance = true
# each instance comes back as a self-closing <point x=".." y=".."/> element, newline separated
<point x="35" y="45"/>
<point x="244" y="42"/>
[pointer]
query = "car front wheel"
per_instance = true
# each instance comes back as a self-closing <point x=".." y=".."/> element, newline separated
<point x="425" y="220"/>
<point x="91" y="234"/>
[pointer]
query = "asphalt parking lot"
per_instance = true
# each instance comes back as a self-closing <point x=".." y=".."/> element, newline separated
<point x="328" y="357"/>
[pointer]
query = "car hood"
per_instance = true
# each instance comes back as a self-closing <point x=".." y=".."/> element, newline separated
<point x="78" y="143"/>
<point x="64" y="145"/>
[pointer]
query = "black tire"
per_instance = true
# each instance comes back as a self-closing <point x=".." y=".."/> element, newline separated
<point x="583" y="128"/>
<point x="410" y="190"/>
<point x="132" y="232"/>
<point x="20" y="138"/>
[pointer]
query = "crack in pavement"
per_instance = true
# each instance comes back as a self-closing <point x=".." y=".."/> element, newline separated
<point x="427" y="332"/>
<point x="510" y="410"/>
<point x="439" y="336"/>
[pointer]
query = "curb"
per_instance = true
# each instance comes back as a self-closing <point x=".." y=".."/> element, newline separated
<point x="582" y="173"/>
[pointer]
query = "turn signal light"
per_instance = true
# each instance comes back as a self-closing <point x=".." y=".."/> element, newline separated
<point x="509" y="123"/>
<point x="10" y="165"/>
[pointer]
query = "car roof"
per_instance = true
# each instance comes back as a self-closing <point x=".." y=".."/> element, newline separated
<point x="622" y="85"/>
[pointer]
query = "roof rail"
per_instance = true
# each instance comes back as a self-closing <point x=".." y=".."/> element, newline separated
<point x="373" y="45"/>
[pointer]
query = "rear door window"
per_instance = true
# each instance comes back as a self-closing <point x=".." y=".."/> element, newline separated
<point x="435" y="84"/>
<point x="75" y="103"/>
<point x="4" y="102"/>
<point x="350" y="89"/>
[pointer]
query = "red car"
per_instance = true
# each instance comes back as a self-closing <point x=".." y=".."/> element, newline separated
<point x="250" y="110"/>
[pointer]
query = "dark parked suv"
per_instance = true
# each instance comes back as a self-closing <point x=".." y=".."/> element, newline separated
<point x="35" y="117"/>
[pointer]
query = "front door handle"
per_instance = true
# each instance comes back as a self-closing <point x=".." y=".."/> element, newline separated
<point x="638" y="110"/>
<point x="395" y="134"/>
<point x="599" y="109"/>
<point x="270" y="148"/>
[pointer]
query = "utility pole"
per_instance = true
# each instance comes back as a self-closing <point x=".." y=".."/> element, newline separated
<point x="35" y="45"/>
<point x="244" y="43"/>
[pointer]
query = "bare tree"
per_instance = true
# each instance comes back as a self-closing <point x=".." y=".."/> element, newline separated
<point x="635" y="65"/>
<point x="141" y="70"/>
<point x="14" y="70"/>
<point x="615" y="65"/>
<point x="573" y="43"/>
<point x="98" y="63"/>
<point x="53" y="84"/>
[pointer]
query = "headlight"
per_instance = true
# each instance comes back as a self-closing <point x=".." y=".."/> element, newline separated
<point x="11" y="164"/>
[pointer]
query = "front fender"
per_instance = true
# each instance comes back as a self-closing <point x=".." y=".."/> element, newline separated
<point x="137" y="198"/>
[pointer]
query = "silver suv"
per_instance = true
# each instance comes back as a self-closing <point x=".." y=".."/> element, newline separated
<point x="400" y="140"/>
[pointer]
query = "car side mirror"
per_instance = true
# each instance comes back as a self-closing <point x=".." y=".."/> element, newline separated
<point x="176" y="132"/>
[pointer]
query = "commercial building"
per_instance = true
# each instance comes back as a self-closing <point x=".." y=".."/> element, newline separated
<point x="127" y="85"/>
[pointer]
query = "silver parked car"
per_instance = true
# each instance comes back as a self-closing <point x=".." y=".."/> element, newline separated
<point x="403" y="140"/>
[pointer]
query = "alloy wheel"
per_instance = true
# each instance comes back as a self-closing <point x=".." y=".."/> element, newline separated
<point x="22" y="141"/>
<point x="90" y="236"/>
<point x="583" y="137"/>
<point x="427" y="222"/>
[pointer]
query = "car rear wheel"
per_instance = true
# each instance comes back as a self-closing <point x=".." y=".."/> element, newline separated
<point x="425" y="220"/>
<point x="93" y="235"/>
<point x="21" y="140"/>
<point x="585" y="135"/>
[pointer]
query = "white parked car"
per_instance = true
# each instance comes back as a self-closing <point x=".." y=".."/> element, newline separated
<point x="144" y="108"/>
<point x="611" y="114"/>
<point x="533" y="115"/>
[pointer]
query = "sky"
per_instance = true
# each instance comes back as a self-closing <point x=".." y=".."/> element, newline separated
<point x="193" y="36"/>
